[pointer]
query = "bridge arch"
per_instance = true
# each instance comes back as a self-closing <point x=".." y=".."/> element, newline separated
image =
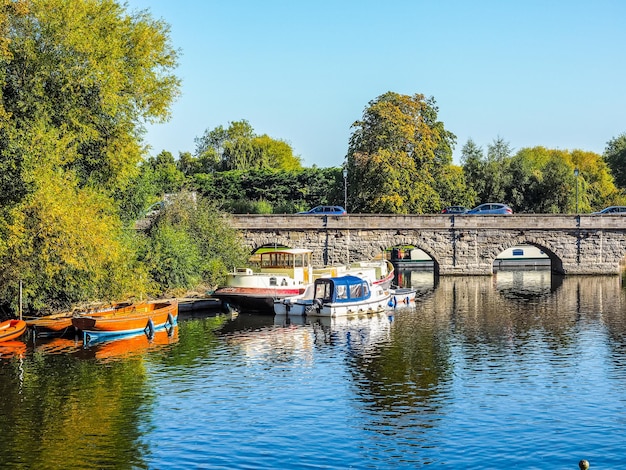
<point x="427" y="250"/>
<point x="556" y="263"/>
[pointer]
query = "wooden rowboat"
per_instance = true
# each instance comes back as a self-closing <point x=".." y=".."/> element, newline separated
<point x="58" y="324"/>
<point x="11" y="329"/>
<point x="147" y="317"/>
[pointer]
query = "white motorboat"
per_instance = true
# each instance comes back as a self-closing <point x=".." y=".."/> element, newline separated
<point x="337" y="296"/>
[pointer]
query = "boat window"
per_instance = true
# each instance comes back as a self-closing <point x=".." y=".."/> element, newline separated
<point x="277" y="260"/>
<point x="342" y="292"/>
<point x="356" y="291"/>
<point x="323" y="290"/>
<point x="518" y="252"/>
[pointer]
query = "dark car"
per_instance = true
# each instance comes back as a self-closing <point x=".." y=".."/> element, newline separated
<point x="325" y="210"/>
<point x="454" y="210"/>
<point x="490" y="208"/>
<point x="621" y="210"/>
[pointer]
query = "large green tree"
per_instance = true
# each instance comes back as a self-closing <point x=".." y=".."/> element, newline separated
<point x="79" y="80"/>
<point x="239" y="148"/>
<point x="395" y="153"/>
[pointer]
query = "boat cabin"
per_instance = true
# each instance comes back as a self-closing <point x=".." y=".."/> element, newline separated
<point x="342" y="289"/>
<point x="292" y="262"/>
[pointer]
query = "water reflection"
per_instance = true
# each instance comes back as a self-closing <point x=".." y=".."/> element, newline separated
<point x="518" y="370"/>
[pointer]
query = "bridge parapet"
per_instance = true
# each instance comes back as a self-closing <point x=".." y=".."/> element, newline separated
<point x="384" y="221"/>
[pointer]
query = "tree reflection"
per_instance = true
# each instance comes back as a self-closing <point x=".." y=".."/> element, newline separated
<point x="480" y="324"/>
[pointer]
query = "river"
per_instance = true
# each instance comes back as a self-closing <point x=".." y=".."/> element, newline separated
<point x="520" y="370"/>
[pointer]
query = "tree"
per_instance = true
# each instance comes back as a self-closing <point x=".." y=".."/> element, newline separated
<point x="615" y="157"/>
<point x="239" y="148"/>
<point x="474" y="167"/>
<point x="79" y="81"/>
<point x="393" y="154"/>
<point x="597" y="188"/>
<point x="451" y="186"/>
<point x="489" y="177"/>
<point x="187" y="164"/>
<point x="94" y="73"/>
<point x="191" y="243"/>
<point x="497" y="175"/>
<point x="167" y="177"/>
<point x="542" y="180"/>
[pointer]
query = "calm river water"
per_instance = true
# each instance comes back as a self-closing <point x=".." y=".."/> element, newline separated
<point x="522" y="370"/>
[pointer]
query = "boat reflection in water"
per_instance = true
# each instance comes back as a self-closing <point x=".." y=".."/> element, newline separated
<point x="12" y="348"/>
<point x="300" y="338"/>
<point x="118" y="348"/>
<point x="135" y="345"/>
<point x="362" y="330"/>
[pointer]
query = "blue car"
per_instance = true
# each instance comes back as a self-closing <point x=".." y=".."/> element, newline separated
<point x="490" y="208"/>
<point x="325" y="210"/>
<point x="621" y="210"/>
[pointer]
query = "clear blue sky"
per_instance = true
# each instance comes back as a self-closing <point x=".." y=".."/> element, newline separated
<point x="533" y="72"/>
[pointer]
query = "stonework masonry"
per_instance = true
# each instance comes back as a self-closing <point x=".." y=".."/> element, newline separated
<point x="458" y="244"/>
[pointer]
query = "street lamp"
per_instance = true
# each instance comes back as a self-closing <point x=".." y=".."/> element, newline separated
<point x="576" y="175"/>
<point x="345" y="189"/>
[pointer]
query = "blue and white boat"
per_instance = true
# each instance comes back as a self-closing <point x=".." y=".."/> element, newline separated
<point x="337" y="296"/>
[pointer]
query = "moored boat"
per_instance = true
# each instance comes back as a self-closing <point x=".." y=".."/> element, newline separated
<point x="11" y="329"/>
<point x="58" y="324"/>
<point x="338" y="296"/>
<point x="401" y="296"/>
<point x="144" y="317"/>
<point x="283" y="272"/>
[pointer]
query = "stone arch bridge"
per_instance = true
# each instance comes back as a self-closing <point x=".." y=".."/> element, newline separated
<point x="458" y="244"/>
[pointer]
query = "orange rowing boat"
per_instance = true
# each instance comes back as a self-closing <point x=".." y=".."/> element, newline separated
<point x="147" y="317"/>
<point x="58" y="324"/>
<point x="11" y="329"/>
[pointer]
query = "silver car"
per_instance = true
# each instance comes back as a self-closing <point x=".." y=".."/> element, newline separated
<point x="490" y="208"/>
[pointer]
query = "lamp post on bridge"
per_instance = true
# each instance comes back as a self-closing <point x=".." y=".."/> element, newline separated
<point x="345" y="188"/>
<point x="345" y="206"/>
<point x="576" y="172"/>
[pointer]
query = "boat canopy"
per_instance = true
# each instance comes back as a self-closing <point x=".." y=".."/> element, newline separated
<point x="342" y="289"/>
<point x="289" y="258"/>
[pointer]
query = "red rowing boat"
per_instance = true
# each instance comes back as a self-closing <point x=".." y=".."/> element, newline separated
<point x="11" y="329"/>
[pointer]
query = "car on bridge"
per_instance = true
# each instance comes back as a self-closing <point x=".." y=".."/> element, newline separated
<point x="490" y="208"/>
<point x="454" y="210"/>
<point x="325" y="210"/>
<point x="620" y="210"/>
